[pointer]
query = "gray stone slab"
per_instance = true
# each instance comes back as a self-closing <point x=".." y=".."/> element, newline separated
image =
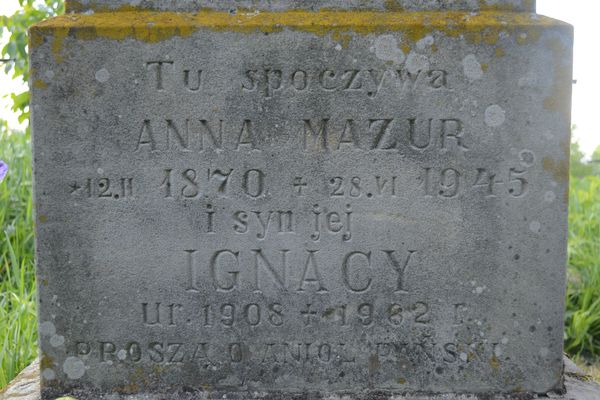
<point x="578" y="386"/>
<point x="301" y="204"/>
<point x="277" y="5"/>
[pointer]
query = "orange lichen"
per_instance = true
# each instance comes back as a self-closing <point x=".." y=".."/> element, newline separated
<point x="558" y="168"/>
<point x="40" y="84"/>
<point x="393" y="5"/>
<point x="494" y="363"/>
<point x="46" y="361"/>
<point x="343" y="38"/>
<point x="153" y="27"/>
<point x="60" y="33"/>
<point x="130" y="388"/>
<point x="560" y="98"/>
<point x="74" y="6"/>
<point x="527" y="5"/>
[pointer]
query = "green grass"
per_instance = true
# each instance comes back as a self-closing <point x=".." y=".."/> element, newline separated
<point x="18" y="324"/>
<point x="582" y="323"/>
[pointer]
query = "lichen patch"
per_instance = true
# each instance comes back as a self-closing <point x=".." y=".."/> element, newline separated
<point x="472" y="68"/>
<point x="495" y="116"/>
<point x="386" y="49"/>
<point x="74" y="367"/>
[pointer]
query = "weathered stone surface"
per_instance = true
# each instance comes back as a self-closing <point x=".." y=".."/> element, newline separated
<point x="275" y="5"/>
<point x="301" y="204"/>
<point x="26" y="386"/>
<point x="578" y="386"/>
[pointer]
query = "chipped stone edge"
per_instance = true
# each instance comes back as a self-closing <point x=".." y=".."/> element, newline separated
<point x="26" y="386"/>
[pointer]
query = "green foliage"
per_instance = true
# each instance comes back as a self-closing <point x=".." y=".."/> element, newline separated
<point x="595" y="162"/>
<point x="18" y="332"/>
<point x="582" y="320"/>
<point x="31" y="11"/>
<point x="596" y="155"/>
<point x="579" y="167"/>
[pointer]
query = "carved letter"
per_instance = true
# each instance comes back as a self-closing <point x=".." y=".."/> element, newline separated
<point x="412" y="133"/>
<point x="215" y="138"/>
<point x="346" y="273"/>
<point x="246" y="136"/>
<point x="279" y="279"/>
<point x="220" y="286"/>
<point x="327" y="74"/>
<point x="377" y="80"/>
<point x="379" y="143"/>
<point x="456" y="132"/>
<point x="191" y="269"/>
<point x="159" y="71"/>
<point x="299" y="80"/>
<point x="273" y="78"/>
<point x="182" y="139"/>
<point x="311" y="273"/>
<point x="186" y="80"/>
<point x="107" y="348"/>
<point x="146" y="137"/>
<point x="253" y="84"/>
<point x="355" y="82"/>
<point x="263" y="224"/>
<point x="319" y="139"/>
<point x="349" y="135"/>
<point x="286" y="221"/>
<point x="400" y="269"/>
<point x="156" y="318"/>
<point x="438" y="78"/>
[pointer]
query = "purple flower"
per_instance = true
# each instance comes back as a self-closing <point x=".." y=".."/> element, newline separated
<point x="3" y="170"/>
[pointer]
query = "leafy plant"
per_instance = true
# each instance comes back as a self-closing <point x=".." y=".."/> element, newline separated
<point x="579" y="167"/>
<point x="30" y="12"/>
<point x="582" y="320"/>
<point x="18" y="325"/>
<point x="18" y="321"/>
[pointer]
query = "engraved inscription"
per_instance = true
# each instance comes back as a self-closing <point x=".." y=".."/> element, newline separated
<point x="171" y="76"/>
<point x="274" y="315"/>
<point x="193" y="183"/>
<point x="420" y="350"/>
<point x="103" y="188"/>
<point x="396" y="133"/>
<point x="450" y="182"/>
<point x="417" y="134"/>
<point x="273" y="269"/>
<point x="370" y="82"/>
<point x="356" y="186"/>
<point x="303" y="220"/>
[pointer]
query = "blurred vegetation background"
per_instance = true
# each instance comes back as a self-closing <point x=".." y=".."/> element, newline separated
<point x="18" y="324"/>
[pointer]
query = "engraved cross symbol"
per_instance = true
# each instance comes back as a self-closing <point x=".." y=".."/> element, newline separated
<point x="299" y="184"/>
<point x="308" y="314"/>
<point x="74" y="187"/>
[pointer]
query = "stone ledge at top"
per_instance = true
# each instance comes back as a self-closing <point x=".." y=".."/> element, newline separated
<point x="315" y="5"/>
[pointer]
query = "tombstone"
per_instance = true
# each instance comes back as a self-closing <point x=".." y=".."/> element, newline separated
<point x="252" y="199"/>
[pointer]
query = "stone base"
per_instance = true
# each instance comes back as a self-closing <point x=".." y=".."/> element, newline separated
<point x="26" y="386"/>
